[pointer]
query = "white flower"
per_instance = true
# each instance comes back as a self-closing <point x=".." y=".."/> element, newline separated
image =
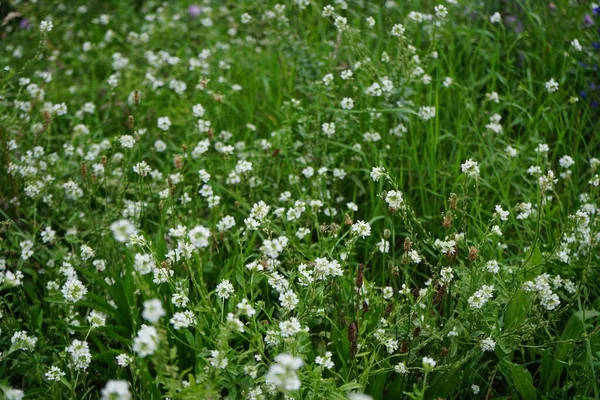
<point x="551" y="86"/>
<point x="224" y="289"/>
<point x="496" y="18"/>
<point x="163" y="123"/>
<point x="347" y="103"/>
<point x="182" y="319"/>
<point x="470" y="168"/>
<point x="54" y="374"/>
<point x="440" y="11"/>
<point x="371" y="21"/>
<point x="122" y="230"/>
<point x="377" y="173"/>
<point x="73" y="290"/>
<point x="394" y="199"/>
<point x="218" y="359"/>
<point x="400" y="368"/>
<point x="153" y="310"/>
<point x="146" y="341"/>
<point x="325" y="361"/>
<point x="576" y="45"/>
<point x="488" y="344"/>
<point x="428" y="363"/>
<point x="116" y="390"/>
<point x="398" y="30"/>
<point x="46" y="26"/>
<point x="361" y="228"/>
<point x="282" y="373"/>
<point x="426" y="113"/>
<point x="123" y="360"/>
<point x="80" y="354"/>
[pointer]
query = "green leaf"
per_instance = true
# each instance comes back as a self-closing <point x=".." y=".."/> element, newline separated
<point x="519" y="378"/>
<point x="517" y="310"/>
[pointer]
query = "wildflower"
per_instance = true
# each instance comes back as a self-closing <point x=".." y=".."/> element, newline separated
<point x="481" y="296"/>
<point x="116" y="390"/>
<point x="290" y="328"/>
<point x="96" y="319"/>
<point x="73" y="290"/>
<point x="217" y="359"/>
<point x="551" y="86"/>
<point x="122" y="230"/>
<point x="398" y="30"/>
<point x="496" y="18"/>
<point x="440" y="11"/>
<point x="54" y="374"/>
<point x="470" y="168"/>
<point x="400" y="368"/>
<point x="245" y="308"/>
<point x="163" y="123"/>
<point x="426" y="113"/>
<point x="142" y="169"/>
<point x="377" y="173"/>
<point x="22" y="341"/>
<point x="46" y="26"/>
<point x="146" y="341"/>
<point x="289" y="300"/>
<point x="328" y="128"/>
<point x="371" y="21"/>
<point x="182" y="319"/>
<point x="394" y="199"/>
<point x="123" y="360"/>
<point x="428" y="363"/>
<point x="224" y="289"/>
<point x="153" y="310"/>
<point x="80" y="355"/>
<point x="341" y="23"/>
<point x="325" y="361"/>
<point x="576" y="45"/>
<point x="282" y="373"/>
<point x="488" y="344"/>
<point x="347" y="103"/>
<point x="500" y="213"/>
<point x="361" y="228"/>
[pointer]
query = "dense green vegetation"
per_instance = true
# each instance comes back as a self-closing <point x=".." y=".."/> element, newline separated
<point x="252" y="200"/>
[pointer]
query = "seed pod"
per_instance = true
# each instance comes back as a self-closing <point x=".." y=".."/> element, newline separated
<point x="352" y="335"/>
<point x="389" y="309"/>
<point x="447" y="220"/>
<point x="473" y="253"/>
<point x="387" y="233"/>
<point x="407" y="245"/>
<point x="347" y="219"/>
<point x="441" y="291"/>
<point x="130" y="122"/>
<point x="365" y="306"/>
<point x="178" y="162"/>
<point x="104" y="161"/>
<point x="404" y="347"/>
<point x="136" y="98"/>
<point x="185" y="148"/>
<point x="359" y="276"/>
<point x="453" y="200"/>
<point x="416" y="331"/>
<point x="83" y="169"/>
<point x="444" y="352"/>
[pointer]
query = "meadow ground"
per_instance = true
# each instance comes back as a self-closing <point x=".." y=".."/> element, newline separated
<point x="299" y="200"/>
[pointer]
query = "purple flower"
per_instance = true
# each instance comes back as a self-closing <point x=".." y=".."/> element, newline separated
<point x="24" y="24"/>
<point x="588" y="20"/>
<point x="194" y="10"/>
